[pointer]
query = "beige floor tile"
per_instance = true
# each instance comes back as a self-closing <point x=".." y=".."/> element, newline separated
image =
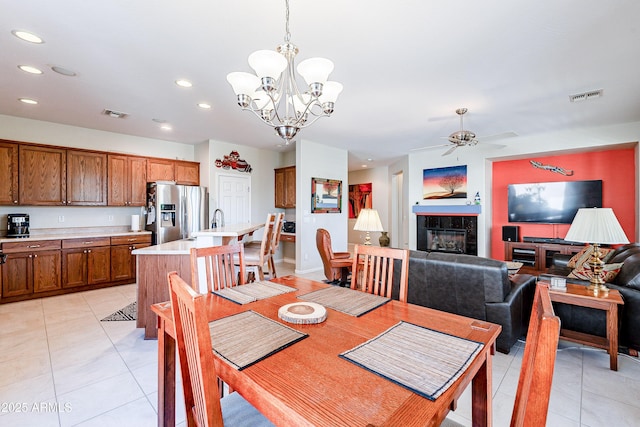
<point x="36" y="414"/>
<point x="98" y="398"/>
<point x="105" y="365"/>
<point x="138" y="413"/>
<point x="30" y="391"/>
<point x="23" y="368"/>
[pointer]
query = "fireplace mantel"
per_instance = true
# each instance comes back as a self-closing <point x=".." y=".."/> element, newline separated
<point x="447" y="209"/>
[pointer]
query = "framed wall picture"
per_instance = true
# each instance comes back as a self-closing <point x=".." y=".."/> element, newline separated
<point x="326" y="195"/>
<point x="359" y="198"/>
<point x="445" y="183"/>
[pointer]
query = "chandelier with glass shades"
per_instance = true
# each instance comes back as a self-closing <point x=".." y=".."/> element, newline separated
<point x="272" y="93"/>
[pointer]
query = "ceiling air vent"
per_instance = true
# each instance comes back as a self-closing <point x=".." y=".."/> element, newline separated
<point x="585" y="95"/>
<point x="114" y="114"/>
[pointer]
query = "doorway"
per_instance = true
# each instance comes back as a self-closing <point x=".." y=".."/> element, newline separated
<point x="234" y="198"/>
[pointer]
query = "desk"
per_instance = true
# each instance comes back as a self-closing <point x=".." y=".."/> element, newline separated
<point x="581" y="296"/>
<point x="308" y="384"/>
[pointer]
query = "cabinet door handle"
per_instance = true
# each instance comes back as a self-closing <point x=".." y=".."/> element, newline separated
<point x="15" y="202"/>
<point x="131" y="240"/>
<point x="35" y="255"/>
<point x="87" y="243"/>
<point x="33" y="246"/>
<point x="30" y="255"/>
<point x="84" y="252"/>
<point x="88" y="250"/>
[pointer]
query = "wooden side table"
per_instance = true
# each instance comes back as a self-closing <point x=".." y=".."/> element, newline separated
<point x="579" y="295"/>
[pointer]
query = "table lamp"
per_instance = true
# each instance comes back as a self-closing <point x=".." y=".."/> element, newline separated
<point x="596" y="226"/>
<point x="368" y="220"/>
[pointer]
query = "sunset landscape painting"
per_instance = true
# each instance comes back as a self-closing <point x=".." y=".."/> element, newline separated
<point x="445" y="183"/>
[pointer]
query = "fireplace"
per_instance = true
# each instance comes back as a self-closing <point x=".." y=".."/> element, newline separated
<point x="448" y="233"/>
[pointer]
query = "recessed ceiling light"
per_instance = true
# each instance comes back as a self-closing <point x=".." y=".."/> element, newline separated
<point x="369" y="160"/>
<point x="364" y="166"/>
<point x="166" y="127"/>
<point x="114" y="114"/>
<point x="28" y="101"/>
<point x="27" y="36"/>
<point x="29" y="69"/>
<point x="204" y="106"/>
<point x="63" y="71"/>
<point x="184" y="83"/>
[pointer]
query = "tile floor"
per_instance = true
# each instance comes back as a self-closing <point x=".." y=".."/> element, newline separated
<point x="61" y="366"/>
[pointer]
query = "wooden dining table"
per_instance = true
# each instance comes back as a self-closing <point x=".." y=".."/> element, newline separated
<point x="308" y="384"/>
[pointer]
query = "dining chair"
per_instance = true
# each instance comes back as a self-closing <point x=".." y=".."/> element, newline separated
<point x="336" y="264"/>
<point x="536" y="374"/>
<point x="204" y="406"/>
<point x="373" y="267"/>
<point x="219" y="266"/>
<point x="257" y="255"/>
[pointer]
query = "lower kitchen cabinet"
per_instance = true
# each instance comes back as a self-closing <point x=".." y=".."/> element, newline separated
<point x="123" y="263"/>
<point x="31" y="267"/>
<point x="86" y="262"/>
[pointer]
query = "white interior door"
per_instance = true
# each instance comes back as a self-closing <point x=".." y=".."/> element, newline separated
<point x="234" y="198"/>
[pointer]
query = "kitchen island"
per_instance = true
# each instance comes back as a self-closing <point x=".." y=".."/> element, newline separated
<point x="155" y="262"/>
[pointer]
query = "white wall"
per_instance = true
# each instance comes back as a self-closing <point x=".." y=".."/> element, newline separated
<point x="315" y="160"/>
<point x="27" y="130"/>
<point x="479" y="160"/>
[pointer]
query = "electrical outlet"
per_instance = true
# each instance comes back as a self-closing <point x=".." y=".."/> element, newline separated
<point x="60" y="218"/>
<point x="110" y="218"/>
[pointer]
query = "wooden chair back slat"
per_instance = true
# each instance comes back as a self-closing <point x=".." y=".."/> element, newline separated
<point x="219" y="265"/>
<point x="373" y="269"/>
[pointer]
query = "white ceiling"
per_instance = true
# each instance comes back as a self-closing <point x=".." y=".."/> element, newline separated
<point x="406" y="65"/>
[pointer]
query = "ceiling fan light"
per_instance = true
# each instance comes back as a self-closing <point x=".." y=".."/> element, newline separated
<point x="315" y="70"/>
<point x="267" y="63"/>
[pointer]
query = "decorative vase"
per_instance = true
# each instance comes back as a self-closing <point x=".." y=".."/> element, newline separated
<point x="384" y="239"/>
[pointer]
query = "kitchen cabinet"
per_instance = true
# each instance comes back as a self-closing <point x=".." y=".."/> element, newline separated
<point x="127" y="180"/>
<point x="160" y="170"/>
<point x="86" y="178"/>
<point x="31" y="267"/>
<point x="187" y="173"/>
<point x="285" y="187"/>
<point x="123" y="263"/>
<point x="43" y="174"/>
<point x="8" y="173"/>
<point x="86" y="261"/>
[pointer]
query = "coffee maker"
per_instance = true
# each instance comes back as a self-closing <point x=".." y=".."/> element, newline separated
<point x="17" y="225"/>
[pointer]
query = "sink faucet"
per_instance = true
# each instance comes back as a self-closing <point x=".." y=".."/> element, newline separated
<point x="214" y="223"/>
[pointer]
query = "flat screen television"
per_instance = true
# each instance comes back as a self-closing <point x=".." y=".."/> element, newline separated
<point x="552" y="202"/>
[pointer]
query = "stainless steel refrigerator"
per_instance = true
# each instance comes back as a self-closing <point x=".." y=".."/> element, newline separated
<point x="175" y="212"/>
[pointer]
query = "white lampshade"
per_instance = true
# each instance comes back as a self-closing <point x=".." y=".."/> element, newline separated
<point x="261" y="99"/>
<point x="315" y="70"/>
<point x="267" y="63"/>
<point x="243" y="83"/>
<point x="368" y="220"/>
<point x="596" y="225"/>
<point x="300" y="103"/>
<point x="330" y="92"/>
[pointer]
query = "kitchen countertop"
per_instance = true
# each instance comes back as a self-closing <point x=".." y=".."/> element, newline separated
<point x="231" y="230"/>
<point x="177" y="247"/>
<point x="71" y="235"/>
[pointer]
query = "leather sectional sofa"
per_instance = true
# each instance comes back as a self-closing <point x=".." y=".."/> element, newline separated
<point x="627" y="282"/>
<point x="474" y="287"/>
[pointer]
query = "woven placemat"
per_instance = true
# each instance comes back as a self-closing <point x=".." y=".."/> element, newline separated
<point x="246" y="338"/>
<point x="255" y="291"/>
<point x="425" y="361"/>
<point x="349" y="301"/>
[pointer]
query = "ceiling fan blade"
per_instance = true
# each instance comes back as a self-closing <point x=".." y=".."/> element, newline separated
<point x="431" y="147"/>
<point x="450" y="150"/>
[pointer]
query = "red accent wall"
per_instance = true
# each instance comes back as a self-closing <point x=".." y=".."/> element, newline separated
<point x="616" y="169"/>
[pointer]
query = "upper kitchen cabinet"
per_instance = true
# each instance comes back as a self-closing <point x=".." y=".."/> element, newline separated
<point x="160" y="170"/>
<point x="86" y="178"/>
<point x="43" y="174"/>
<point x="187" y="173"/>
<point x="8" y="173"/>
<point x="285" y="187"/>
<point x="127" y="180"/>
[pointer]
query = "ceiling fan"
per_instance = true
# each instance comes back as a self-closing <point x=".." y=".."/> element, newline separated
<point x="462" y="137"/>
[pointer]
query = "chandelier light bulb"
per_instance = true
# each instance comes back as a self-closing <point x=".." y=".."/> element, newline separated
<point x="315" y="70"/>
<point x="267" y="63"/>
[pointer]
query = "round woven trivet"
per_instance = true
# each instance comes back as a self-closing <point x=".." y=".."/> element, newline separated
<point x="303" y="313"/>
